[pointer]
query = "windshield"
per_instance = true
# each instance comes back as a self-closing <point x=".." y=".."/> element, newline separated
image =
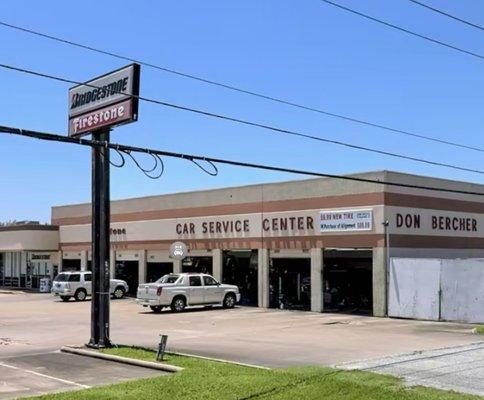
<point x="61" y="278"/>
<point x="168" y="279"/>
<point x="67" y="278"/>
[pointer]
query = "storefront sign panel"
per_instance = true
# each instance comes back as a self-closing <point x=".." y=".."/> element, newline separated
<point x="299" y="223"/>
<point x="108" y="116"/>
<point x="346" y="220"/>
<point x="429" y="222"/>
<point x="108" y="100"/>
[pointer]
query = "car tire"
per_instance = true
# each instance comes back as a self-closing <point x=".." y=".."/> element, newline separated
<point x="80" y="295"/>
<point x="156" y="309"/>
<point x="229" y="300"/>
<point x="119" y="293"/>
<point x="178" y="304"/>
<point x="65" y="298"/>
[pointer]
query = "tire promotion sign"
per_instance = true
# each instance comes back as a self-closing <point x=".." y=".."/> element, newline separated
<point x="346" y="220"/>
<point x="104" y="101"/>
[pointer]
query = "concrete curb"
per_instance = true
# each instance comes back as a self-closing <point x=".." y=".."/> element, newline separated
<point x="124" y="360"/>
<point x="176" y="353"/>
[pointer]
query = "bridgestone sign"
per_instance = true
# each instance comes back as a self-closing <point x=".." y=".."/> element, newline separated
<point x="107" y="101"/>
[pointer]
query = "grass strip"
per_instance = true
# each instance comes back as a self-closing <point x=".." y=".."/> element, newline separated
<point x="211" y="380"/>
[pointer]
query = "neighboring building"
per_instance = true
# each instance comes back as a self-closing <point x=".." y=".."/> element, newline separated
<point x="317" y="244"/>
<point x="28" y="252"/>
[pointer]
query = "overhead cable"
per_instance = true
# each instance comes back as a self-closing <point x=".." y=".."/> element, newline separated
<point x="254" y="124"/>
<point x="193" y="157"/>
<point x="447" y="14"/>
<point x="246" y="91"/>
<point x="404" y="30"/>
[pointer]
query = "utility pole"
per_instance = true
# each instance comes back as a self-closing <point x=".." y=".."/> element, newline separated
<point x="101" y="216"/>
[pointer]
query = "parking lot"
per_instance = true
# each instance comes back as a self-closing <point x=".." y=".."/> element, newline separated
<point x="35" y="374"/>
<point x="38" y="323"/>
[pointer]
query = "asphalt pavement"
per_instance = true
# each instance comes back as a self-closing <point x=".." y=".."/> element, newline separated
<point x="37" y="374"/>
<point x="38" y="323"/>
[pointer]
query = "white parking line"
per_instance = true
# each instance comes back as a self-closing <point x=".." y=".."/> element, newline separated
<point x="38" y="353"/>
<point x="45" y="376"/>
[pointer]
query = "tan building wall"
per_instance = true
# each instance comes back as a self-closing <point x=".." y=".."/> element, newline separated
<point x="35" y="237"/>
<point x="284" y="218"/>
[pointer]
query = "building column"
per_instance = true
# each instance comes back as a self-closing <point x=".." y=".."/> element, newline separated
<point x="177" y="266"/>
<point x="112" y="263"/>
<point x="317" y="287"/>
<point x="60" y="261"/>
<point x="263" y="277"/>
<point x="217" y="264"/>
<point x="84" y="260"/>
<point x="142" y="266"/>
<point x="380" y="283"/>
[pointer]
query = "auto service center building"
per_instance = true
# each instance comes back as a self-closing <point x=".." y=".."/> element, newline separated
<point x="317" y="244"/>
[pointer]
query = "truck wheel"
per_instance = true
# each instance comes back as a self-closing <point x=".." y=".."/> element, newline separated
<point x="178" y="304"/>
<point x="156" y="309"/>
<point x="119" y="292"/>
<point x="65" y="298"/>
<point x="80" y="295"/>
<point x="229" y="300"/>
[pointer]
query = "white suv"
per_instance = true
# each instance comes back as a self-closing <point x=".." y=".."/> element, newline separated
<point x="79" y="285"/>
<point x="180" y="290"/>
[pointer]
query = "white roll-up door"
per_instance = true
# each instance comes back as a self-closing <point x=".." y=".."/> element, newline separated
<point x="414" y="286"/>
<point x="463" y="290"/>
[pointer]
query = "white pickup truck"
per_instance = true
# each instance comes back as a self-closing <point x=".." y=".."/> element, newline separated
<point x="188" y="289"/>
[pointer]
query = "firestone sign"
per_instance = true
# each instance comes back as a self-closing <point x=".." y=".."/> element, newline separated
<point x="105" y="101"/>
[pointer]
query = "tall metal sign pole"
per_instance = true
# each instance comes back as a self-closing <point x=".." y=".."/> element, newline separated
<point x="101" y="216"/>
<point x="94" y="108"/>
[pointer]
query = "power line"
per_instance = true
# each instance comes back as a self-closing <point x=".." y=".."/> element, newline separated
<point x="447" y="14"/>
<point x="244" y="91"/>
<point x="409" y="32"/>
<point x="212" y="160"/>
<point x="253" y="124"/>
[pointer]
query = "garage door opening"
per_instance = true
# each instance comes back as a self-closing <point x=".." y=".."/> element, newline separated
<point x="128" y="271"/>
<point x="290" y="283"/>
<point x="240" y="268"/>
<point x="202" y="265"/>
<point x="71" y="265"/>
<point x="155" y="270"/>
<point x="348" y="281"/>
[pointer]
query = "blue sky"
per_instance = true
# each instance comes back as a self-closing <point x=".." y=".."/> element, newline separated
<point x="304" y="51"/>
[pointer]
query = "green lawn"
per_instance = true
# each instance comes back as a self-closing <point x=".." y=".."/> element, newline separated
<point x="480" y="330"/>
<point x="211" y="380"/>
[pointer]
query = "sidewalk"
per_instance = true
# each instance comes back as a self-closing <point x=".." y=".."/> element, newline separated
<point x="14" y="290"/>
